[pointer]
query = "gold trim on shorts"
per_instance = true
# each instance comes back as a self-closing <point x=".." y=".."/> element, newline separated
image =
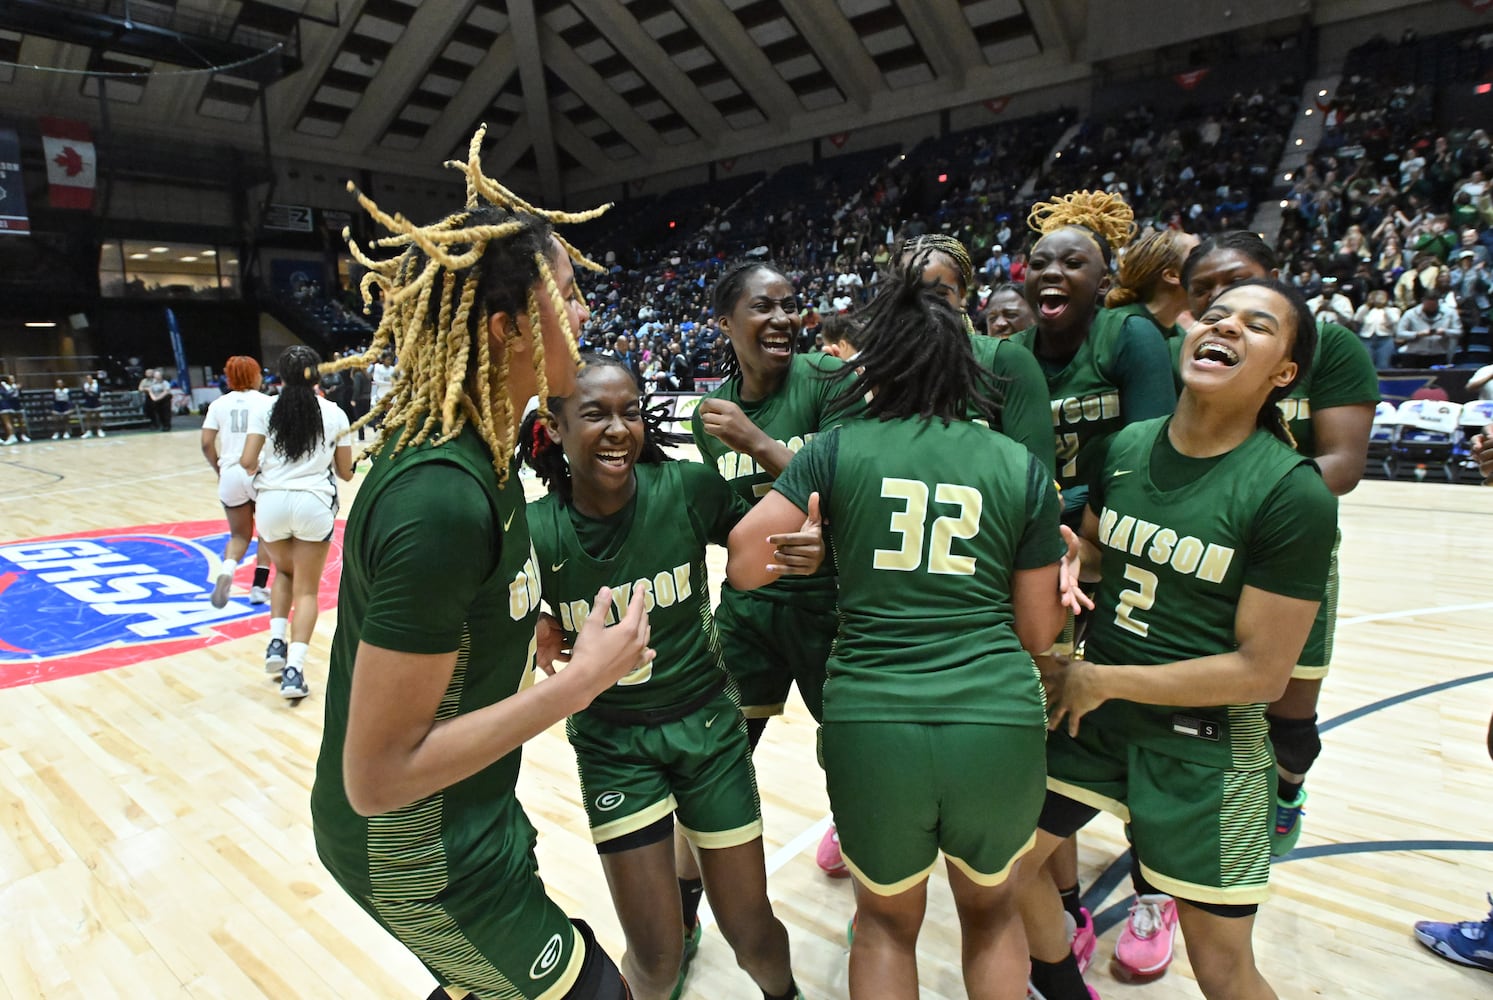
<point x="1302" y="672"/>
<point x="632" y="822"/>
<point x="762" y="711"/>
<point x="722" y="839"/>
<point x="896" y="888"/>
<point x="1239" y="895"/>
<point x="1090" y="798"/>
<point x="998" y="878"/>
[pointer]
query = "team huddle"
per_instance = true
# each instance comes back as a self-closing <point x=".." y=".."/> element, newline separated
<point x="1016" y="582"/>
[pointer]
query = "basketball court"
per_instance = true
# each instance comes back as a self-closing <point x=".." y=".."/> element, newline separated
<point x="155" y="836"/>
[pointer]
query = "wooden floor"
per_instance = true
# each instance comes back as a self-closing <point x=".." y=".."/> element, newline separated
<point x="155" y="841"/>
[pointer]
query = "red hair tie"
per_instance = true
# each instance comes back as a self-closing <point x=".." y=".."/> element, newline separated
<point x="541" y="439"/>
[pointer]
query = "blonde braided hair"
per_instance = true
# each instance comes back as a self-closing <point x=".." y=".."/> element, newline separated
<point x="442" y="387"/>
<point x="1107" y="216"/>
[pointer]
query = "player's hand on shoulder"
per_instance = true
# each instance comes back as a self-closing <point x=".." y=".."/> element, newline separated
<point x="1482" y="451"/>
<point x="801" y="552"/>
<point x="604" y="655"/>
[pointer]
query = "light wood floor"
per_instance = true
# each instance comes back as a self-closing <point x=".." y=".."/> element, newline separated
<point x="155" y="840"/>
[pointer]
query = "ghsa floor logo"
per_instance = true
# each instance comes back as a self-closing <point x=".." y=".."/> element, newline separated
<point x="95" y="600"/>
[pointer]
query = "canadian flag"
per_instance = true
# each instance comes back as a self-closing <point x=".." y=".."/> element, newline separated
<point x="72" y="166"/>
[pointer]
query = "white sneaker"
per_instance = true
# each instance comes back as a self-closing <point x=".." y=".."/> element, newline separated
<point x="87" y="435"/>
<point x="259" y="595"/>
<point x="25" y="439"/>
<point x="56" y="435"/>
<point x="9" y="440"/>
<point x="101" y="432"/>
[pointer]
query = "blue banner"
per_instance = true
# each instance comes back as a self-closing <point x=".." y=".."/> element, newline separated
<point x="13" y="217"/>
<point x="183" y="374"/>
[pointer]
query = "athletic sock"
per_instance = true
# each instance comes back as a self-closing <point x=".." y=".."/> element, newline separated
<point x="229" y="567"/>
<point x="690" y="891"/>
<point x="792" y="992"/>
<point x="279" y="628"/>
<point x="1073" y="903"/>
<point x="297" y="654"/>
<point x="1059" y="980"/>
<point x="261" y="576"/>
<point x="1286" y="789"/>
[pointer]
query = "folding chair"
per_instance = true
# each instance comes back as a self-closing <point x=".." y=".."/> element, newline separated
<point x="1428" y="429"/>
<point x="1476" y="415"/>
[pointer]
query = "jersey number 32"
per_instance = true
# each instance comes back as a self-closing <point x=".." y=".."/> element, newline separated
<point x="911" y="522"/>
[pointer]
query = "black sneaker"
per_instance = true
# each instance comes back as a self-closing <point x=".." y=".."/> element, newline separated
<point x="274" y="656"/>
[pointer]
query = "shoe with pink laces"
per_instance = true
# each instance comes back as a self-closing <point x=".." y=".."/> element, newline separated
<point x="828" y="857"/>
<point x="1144" y="948"/>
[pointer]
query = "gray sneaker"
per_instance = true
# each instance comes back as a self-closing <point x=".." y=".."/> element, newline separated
<point x="274" y="656"/>
<point x="293" y="683"/>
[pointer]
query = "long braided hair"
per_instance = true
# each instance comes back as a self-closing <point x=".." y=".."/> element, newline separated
<point x="295" y="420"/>
<point x="915" y="356"/>
<point x="439" y="293"/>
<point x="543" y="454"/>
<point x="728" y="290"/>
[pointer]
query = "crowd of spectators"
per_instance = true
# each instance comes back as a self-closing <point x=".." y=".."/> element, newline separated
<point x="1388" y="227"/>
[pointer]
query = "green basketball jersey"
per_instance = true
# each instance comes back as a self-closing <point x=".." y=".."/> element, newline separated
<point x="428" y="844"/>
<point x="1085" y="394"/>
<point x="1174" y="565"/>
<point x="1342" y="374"/>
<point x="679" y="508"/>
<point x="802" y="407"/>
<point x="927" y="524"/>
<point x="1025" y="411"/>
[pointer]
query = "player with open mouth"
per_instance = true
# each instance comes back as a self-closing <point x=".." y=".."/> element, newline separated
<point x="669" y="739"/>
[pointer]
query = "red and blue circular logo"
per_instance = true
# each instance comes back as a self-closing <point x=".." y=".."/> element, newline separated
<point x="95" y="600"/>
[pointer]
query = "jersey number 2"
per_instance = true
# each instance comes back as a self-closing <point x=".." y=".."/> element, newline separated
<point x="910" y="522"/>
<point x="1140" y="599"/>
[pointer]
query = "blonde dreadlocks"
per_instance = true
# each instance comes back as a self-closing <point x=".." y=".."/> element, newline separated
<point x="438" y="294"/>
<point x="1106" y="216"/>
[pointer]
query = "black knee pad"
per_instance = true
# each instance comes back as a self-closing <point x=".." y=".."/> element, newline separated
<point x="1297" y="743"/>
<point x="599" y="978"/>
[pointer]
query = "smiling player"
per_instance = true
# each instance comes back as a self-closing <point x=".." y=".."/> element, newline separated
<point x="668" y="738"/>
<point x="1210" y="536"/>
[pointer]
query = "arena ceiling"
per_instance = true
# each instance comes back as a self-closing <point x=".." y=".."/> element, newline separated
<point x="575" y="93"/>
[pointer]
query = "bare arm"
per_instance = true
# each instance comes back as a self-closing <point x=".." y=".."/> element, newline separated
<point x="342" y="461"/>
<point x="396" y="752"/>
<point x="1342" y="436"/>
<point x="253" y="445"/>
<point x="1480" y="378"/>
<point x="1271" y="630"/>
<point x="210" y="446"/>
<point x="1037" y="607"/>
<point x="727" y="422"/>
<point x="749" y="551"/>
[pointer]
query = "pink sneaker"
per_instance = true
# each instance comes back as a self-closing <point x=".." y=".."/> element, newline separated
<point x="1082" y="938"/>
<point x="830" y="861"/>
<point x="1144" y="949"/>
